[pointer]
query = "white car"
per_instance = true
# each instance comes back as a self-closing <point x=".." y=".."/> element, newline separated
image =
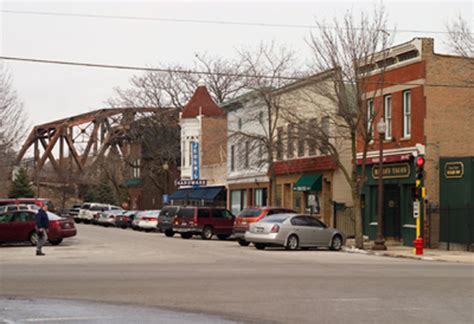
<point x="146" y="220"/>
<point x="107" y="218"/>
<point x="89" y="210"/>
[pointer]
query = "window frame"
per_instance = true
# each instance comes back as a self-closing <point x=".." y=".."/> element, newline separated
<point x="406" y="114"/>
<point x="370" y="116"/>
<point x="387" y="106"/>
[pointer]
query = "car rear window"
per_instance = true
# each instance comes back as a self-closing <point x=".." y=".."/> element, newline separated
<point x="275" y="219"/>
<point x="250" y="212"/>
<point x="52" y="216"/>
<point x="186" y="213"/>
<point x="168" y="211"/>
<point x="86" y="206"/>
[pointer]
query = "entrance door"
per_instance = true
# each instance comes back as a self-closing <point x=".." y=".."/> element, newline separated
<point x="391" y="212"/>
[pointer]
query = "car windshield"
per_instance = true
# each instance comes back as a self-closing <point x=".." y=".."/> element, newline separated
<point x="275" y="219"/>
<point x="250" y="212"/>
<point x="86" y="206"/>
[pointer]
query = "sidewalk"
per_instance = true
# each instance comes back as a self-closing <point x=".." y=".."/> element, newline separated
<point x="399" y="251"/>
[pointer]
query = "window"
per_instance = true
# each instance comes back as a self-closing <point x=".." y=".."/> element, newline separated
<point x="299" y="221"/>
<point x="203" y="213"/>
<point x="326" y="135"/>
<point x="312" y="143"/>
<point x="136" y="168"/>
<point x="247" y="152"/>
<point x="301" y="138"/>
<point x="406" y="114"/>
<point x="183" y="154"/>
<point x="370" y="116"/>
<point x="279" y="144"/>
<point x="232" y="158"/>
<point x="291" y="141"/>
<point x="260" y="197"/>
<point x="24" y="217"/>
<point x="6" y="218"/>
<point x="388" y="116"/>
<point x="235" y="201"/>
<point x="240" y="123"/>
<point x="297" y="200"/>
<point x="222" y="213"/>
<point x="314" y="222"/>
<point x="190" y="153"/>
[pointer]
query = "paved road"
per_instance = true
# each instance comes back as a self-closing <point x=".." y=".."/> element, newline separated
<point x="241" y="284"/>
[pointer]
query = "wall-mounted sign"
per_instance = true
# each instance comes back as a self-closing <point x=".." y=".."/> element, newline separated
<point x="393" y="171"/>
<point x="195" y="160"/>
<point x="454" y="170"/>
<point x="194" y="182"/>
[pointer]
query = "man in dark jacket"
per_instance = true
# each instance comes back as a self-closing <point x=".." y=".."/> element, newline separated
<point x="42" y="225"/>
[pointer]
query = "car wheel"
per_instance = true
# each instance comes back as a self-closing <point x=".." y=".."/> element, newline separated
<point x="336" y="243"/>
<point x="124" y="226"/>
<point x="86" y="221"/>
<point x="56" y="242"/>
<point x="223" y="236"/>
<point x="77" y="220"/>
<point x="243" y="243"/>
<point x="206" y="233"/>
<point x="186" y="235"/>
<point x="292" y="243"/>
<point x="33" y="238"/>
<point x="259" y="246"/>
<point x="169" y="233"/>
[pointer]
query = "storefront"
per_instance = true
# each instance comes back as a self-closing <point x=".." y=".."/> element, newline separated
<point x="399" y="186"/>
<point x="199" y="196"/>
<point x="242" y="195"/>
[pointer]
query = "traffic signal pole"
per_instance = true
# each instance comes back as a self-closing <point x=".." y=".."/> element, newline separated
<point x="418" y="208"/>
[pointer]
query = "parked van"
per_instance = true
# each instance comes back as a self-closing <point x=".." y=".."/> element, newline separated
<point x="204" y="221"/>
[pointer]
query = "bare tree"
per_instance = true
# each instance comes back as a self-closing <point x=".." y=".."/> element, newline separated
<point x="12" y="125"/>
<point x="460" y="37"/>
<point x="353" y="50"/>
<point x="266" y="70"/>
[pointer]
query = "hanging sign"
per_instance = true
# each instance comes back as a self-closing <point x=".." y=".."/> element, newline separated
<point x="392" y="171"/>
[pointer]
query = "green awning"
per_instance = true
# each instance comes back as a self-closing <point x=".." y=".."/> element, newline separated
<point x="309" y="182"/>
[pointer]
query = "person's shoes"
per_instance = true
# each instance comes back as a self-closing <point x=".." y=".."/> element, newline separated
<point x="39" y="253"/>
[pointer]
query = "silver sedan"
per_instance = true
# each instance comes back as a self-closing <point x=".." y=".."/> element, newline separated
<point x="293" y="231"/>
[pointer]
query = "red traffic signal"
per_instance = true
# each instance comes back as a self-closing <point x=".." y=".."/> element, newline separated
<point x="420" y="162"/>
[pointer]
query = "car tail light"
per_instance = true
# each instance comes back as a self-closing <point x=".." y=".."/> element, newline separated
<point x="275" y="228"/>
<point x="111" y="216"/>
<point x="54" y="224"/>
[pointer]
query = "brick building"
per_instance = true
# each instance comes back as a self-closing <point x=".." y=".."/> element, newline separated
<point x="427" y="103"/>
<point x="203" y="151"/>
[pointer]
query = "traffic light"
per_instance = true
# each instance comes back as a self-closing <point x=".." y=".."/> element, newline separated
<point x="419" y="165"/>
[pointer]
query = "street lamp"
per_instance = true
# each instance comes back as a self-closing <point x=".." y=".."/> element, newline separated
<point x="379" y="240"/>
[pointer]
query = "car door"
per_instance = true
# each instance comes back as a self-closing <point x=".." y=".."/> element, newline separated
<point x="6" y="229"/>
<point x="319" y="234"/>
<point x="223" y="221"/>
<point x="301" y="227"/>
<point x="23" y="224"/>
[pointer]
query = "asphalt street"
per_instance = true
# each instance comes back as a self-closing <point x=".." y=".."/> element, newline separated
<point x="225" y="282"/>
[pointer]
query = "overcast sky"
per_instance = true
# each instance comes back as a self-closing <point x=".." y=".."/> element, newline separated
<point x="51" y="92"/>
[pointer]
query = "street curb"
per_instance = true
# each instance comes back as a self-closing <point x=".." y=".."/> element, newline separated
<point x="388" y="254"/>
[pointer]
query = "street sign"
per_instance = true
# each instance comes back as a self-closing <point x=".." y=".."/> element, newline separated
<point x="416" y="209"/>
<point x="166" y="199"/>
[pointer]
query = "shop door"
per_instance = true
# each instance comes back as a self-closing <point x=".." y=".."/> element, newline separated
<point x="391" y="212"/>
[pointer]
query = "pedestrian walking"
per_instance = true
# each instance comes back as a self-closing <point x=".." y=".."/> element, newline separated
<point x="42" y="225"/>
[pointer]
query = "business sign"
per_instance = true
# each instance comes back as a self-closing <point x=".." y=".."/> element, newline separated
<point x="195" y="182"/>
<point x="392" y="171"/>
<point x="454" y="170"/>
<point x="166" y="199"/>
<point x="195" y="160"/>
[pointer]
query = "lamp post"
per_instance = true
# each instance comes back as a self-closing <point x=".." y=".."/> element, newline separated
<point x="380" y="240"/>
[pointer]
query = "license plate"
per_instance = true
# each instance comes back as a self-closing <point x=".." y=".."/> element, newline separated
<point x="67" y="225"/>
<point x="244" y="223"/>
<point x="259" y="229"/>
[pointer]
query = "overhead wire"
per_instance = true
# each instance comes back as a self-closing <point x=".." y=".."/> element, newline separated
<point x="183" y="71"/>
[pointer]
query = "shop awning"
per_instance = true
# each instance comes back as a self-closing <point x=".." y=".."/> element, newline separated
<point x="309" y="182"/>
<point x="181" y="194"/>
<point x="206" y="193"/>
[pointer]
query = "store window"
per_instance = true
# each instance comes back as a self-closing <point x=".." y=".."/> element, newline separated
<point x="235" y="201"/>
<point x="260" y="197"/>
<point x="297" y="200"/>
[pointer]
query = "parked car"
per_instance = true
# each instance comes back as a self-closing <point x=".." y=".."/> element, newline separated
<point x="10" y="208"/>
<point x="292" y="232"/>
<point x="204" y="221"/>
<point x="146" y="220"/>
<point x="74" y="211"/>
<point x="40" y="202"/>
<point x="166" y="219"/>
<point x="19" y="226"/>
<point x="125" y="219"/>
<point x="107" y="218"/>
<point x="251" y="215"/>
<point x="90" y="211"/>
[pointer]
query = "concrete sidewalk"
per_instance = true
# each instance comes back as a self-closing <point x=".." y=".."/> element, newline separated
<point x="399" y="251"/>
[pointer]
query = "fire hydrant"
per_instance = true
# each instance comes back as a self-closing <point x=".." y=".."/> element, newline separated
<point x="418" y="245"/>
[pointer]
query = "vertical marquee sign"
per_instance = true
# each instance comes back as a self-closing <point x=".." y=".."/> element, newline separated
<point x="195" y="160"/>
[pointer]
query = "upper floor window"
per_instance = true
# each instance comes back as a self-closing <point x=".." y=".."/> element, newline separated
<point x="388" y="116"/>
<point x="370" y="116"/>
<point x="279" y="144"/>
<point x="406" y="114"/>
<point x="240" y="123"/>
<point x="325" y="134"/>
<point x="136" y="168"/>
<point x="183" y="154"/>
<point x="301" y="140"/>
<point x="291" y="140"/>
<point x="232" y="158"/>
<point x="247" y="153"/>
<point x="312" y="142"/>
